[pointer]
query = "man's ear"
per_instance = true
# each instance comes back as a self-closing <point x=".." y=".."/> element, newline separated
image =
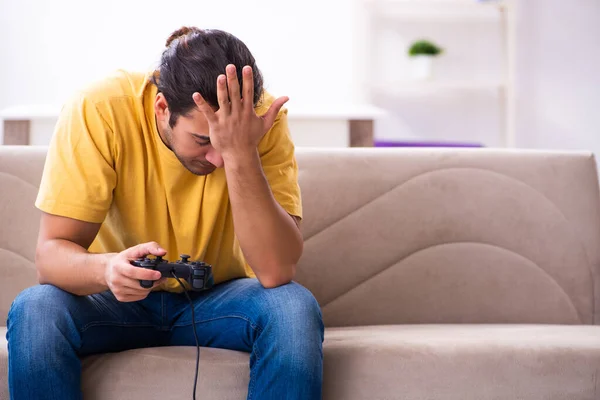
<point x="161" y="107"/>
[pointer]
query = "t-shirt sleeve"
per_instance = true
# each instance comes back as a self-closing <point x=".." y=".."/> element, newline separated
<point x="79" y="175"/>
<point x="276" y="151"/>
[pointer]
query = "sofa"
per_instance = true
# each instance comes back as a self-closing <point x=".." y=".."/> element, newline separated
<point x="442" y="274"/>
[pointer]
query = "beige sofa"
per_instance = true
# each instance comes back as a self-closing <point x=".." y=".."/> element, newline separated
<point x="443" y="274"/>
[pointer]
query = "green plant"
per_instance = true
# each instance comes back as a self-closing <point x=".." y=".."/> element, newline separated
<point x="424" y="47"/>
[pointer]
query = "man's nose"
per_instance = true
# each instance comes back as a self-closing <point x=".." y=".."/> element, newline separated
<point x="214" y="158"/>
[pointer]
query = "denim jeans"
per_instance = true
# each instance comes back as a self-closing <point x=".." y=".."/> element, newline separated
<point x="49" y="330"/>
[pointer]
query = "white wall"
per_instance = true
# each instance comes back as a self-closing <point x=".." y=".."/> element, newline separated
<point x="315" y="52"/>
<point x="557" y="82"/>
<point x="50" y="48"/>
<point x="558" y="74"/>
<point x="464" y="102"/>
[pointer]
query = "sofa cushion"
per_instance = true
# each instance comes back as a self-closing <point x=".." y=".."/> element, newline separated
<point x="463" y="362"/>
<point x="413" y="362"/>
<point x="166" y="373"/>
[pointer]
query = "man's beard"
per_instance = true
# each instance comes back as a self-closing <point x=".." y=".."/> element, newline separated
<point x="195" y="167"/>
<point x="190" y="165"/>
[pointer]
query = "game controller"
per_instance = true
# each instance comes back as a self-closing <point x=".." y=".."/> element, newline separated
<point x="197" y="273"/>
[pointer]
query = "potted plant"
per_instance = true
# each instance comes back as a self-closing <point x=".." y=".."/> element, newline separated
<point x="422" y="53"/>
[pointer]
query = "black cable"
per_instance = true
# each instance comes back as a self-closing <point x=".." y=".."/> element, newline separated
<point x="195" y="334"/>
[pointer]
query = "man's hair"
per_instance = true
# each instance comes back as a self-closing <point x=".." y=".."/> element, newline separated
<point x="193" y="60"/>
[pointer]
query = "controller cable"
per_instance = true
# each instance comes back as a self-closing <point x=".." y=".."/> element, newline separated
<point x="195" y="334"/>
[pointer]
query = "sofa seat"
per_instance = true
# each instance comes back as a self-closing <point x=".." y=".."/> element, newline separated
<point x="463" y="362"/>
<point x="409" y="362"/>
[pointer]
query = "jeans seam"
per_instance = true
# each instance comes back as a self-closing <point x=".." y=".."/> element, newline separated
<point x="253" y="372"/>
<point x="245" y="318"/>
<point x="119" y="324"/>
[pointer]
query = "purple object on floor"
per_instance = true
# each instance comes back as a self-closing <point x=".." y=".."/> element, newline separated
<point x="383" y="143"/>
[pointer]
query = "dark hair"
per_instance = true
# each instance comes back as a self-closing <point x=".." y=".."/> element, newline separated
<point x="193" y="60"/>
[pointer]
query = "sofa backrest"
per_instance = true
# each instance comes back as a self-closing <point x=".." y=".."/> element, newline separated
<point x="411" y="235"/>
<point x="20" y="173"/>
<point x="407" y="235"/>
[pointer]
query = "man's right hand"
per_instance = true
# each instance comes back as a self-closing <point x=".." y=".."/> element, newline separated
<point x="123" y="279"/>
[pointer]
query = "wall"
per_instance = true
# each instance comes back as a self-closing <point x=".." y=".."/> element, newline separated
<point x="558" y="74"/>
<point x="50" y="48"/>
<point x="557" y="79"/>
<point x="463" y="101"/>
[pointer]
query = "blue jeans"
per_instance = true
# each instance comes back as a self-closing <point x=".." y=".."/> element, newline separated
<point x="49" y="330"/>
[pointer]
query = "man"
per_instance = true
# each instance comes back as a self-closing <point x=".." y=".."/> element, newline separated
<point x="194" y="158"/>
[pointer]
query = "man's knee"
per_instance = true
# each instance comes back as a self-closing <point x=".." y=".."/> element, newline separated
<point x="294" y="309"/>
<point x="37" y="305"/>
<point x="298" y="300"/>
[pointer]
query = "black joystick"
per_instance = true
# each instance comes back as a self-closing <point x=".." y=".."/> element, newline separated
<point x="197" y="273"/>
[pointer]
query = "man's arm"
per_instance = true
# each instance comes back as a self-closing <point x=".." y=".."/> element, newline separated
<point x="268" y="235"/>
<point x="62" y="259"/>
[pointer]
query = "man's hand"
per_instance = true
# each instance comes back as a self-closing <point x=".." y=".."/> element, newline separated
<point x="123" y="279"/>
<point x="235" y="129"/>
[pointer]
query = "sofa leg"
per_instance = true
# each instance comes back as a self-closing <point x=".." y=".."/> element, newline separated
<point x="361" y="133"/>
<point x="16" y="132"/>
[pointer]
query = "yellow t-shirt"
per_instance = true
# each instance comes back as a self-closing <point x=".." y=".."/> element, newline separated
<point x="107" y="164"/>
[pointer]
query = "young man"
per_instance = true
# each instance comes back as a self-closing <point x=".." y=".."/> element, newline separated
<point x="194" y="158"/>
